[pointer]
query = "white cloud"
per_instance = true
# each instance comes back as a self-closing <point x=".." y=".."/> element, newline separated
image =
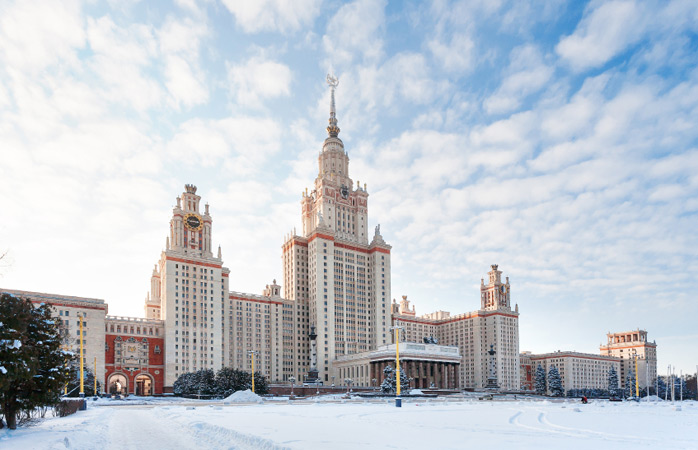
<point x="122" y="58"/>
<point x="353" y="33"/>
<point x="242" y="143"/>
<point x="185" y="86"/>
<point x="273" y="15"/>
<point x="179" y="42"/>
<point x="258" y="79"/>
<point x="34" y="36"/>
<point x="456" y="55"/>
<point x="527" y="73"/>
<point x="603" y="33"/>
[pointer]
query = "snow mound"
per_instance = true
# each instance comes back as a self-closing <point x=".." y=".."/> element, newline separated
<point x="416" y="392"/>
<point x="652" y="398"/>
<point x="243" y="397"/>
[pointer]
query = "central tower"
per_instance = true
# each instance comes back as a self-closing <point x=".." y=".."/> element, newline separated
<point x="334" y="202"/>
<point x="331" y="268"/>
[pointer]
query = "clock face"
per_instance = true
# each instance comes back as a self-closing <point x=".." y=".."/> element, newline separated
<point x="345" y="192"/>
<point x="193" y="222"/>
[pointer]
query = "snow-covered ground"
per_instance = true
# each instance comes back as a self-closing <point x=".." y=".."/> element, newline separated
<point x="330" y="424"/>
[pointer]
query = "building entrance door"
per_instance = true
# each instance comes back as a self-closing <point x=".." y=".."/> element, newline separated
<point x="144" y="385"/>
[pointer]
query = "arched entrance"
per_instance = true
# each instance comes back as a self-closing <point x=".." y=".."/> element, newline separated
<point x="144" y="385"/>
<point x="118" y="384"/>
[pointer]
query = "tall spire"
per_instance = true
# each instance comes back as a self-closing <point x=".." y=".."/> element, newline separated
<point x="332" y="129"/>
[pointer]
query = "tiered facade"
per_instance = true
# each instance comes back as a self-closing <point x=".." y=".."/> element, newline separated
<point x="495" y="323"/>
<point x="334" y="317"/>
<point x="629" y="346"/>
<point x="189" y="292"/>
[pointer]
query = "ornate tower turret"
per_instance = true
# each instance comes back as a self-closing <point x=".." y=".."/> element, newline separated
<point x="495" y="294"/>
<point x="342" y="207"/>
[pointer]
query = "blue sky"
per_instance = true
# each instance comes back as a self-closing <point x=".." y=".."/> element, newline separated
<point x="555" y="139"/>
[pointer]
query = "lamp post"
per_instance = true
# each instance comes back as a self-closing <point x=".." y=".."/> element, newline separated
<point x="252" y="352"/>
<point x="348" y="382"/>
<point x="82" y="368"/>
<point x="332" y="380"/>
<point x="374" y="383"/>
<point x="398" y="400"/>
<point x="95" y="377"/>
<point x="637" y="382"/>
<point x="292" y="380"/>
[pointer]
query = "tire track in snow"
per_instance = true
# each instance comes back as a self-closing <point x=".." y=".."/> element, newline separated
<point x="220" y="438"/>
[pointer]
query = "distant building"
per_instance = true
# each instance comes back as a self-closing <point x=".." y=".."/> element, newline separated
<point x="68" y="309"/>
<point x="577" y="370"/>
<point x="495" y="323"/>
<point x="527" y="371"/>
<point x="628" y="345"/>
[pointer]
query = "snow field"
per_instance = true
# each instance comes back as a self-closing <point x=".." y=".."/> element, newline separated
<point x="419" y="424"/>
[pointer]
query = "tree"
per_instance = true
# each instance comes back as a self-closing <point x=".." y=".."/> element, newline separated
<point x="539" y="380"/>
<point x="555" y="382"/>
<point x="221" y="384"/>
<point x="661" y="387"/>
<point x="630" y="385"/>
<point x="88" y="384"/>
<point x="33" y="368"/>
<point x="613" y="382"/>
<point x="389" y="384"/>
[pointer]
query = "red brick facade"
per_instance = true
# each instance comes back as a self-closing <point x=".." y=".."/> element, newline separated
<point x="136" y="359"/>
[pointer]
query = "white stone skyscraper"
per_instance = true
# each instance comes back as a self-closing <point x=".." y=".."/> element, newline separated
<point x="332" y="268"/>
<point x="189" y="291"/>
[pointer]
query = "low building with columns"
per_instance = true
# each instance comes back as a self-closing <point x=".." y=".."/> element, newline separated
<point x="495" y="324"/>
<point x="426" y="364"/>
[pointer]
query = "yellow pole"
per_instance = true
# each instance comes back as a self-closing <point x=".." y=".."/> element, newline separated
<point x="82" y="387"/>
<point x="252" y="372"/>
<point x="397" y="358"/>
<point x="65" y="388"/>
<point x="95" y="391"/>
<point x="637" y="386"/>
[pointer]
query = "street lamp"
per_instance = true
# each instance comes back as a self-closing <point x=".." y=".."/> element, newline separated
<point x="397" y="328"/>
<point x="252" y="352"/>
<point x="292" y="380"/>
<point x="374" y="383"/>
<point x="332" y="380"/>
<point x="82" y="369"/>
<point x="348" y="382"/>
<point x="637" y="385"/>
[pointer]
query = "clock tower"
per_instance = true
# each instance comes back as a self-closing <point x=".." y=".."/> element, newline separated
<point x="189" y="292"/>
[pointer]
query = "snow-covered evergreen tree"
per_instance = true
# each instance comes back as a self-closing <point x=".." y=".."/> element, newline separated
<point x="539" y="380"/>
<point x="389" y="384"/>
<point x="221" y="384"/>
<point x="612" y="382"/>
<point x="661" y="387"/>
<point x="88" y="383"/>
<point x="32" y="364"/>
<point x="555" y="382"/>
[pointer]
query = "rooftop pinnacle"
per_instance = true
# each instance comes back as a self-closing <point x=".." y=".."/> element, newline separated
<point x="332" y="128"/>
